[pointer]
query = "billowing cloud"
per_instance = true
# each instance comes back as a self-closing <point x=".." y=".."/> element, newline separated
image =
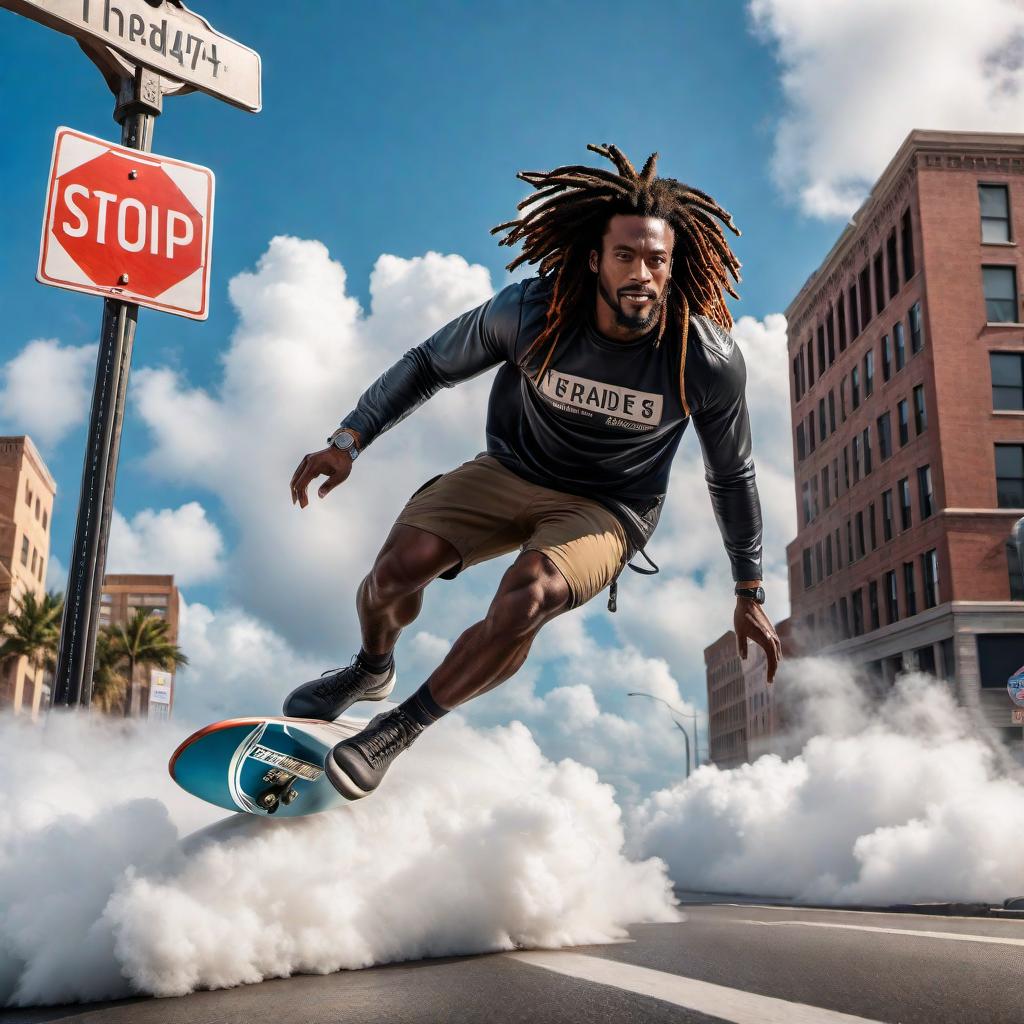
<point x="858" y="76"/>
<point x="45" y="388"/>
<point x="180" y="541"/>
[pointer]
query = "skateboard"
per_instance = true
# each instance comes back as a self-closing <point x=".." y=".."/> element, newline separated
<point x="263" y="766"/>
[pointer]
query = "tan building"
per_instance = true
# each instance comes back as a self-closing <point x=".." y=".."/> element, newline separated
<point x="122" y="595"/>
<point x="907" y="388"/>
<point x="26" y="509"/>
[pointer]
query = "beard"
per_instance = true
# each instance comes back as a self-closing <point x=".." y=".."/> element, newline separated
<point x="633" y="322"/>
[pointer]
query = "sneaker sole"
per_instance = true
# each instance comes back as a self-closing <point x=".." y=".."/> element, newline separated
<point x="381" y="693"/>
<point x="341" y="782"/>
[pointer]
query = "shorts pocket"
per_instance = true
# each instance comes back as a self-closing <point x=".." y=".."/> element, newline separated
<point x="423" y="487"/>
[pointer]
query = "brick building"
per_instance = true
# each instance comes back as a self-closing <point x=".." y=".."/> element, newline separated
<point x="26" y="508"/>
<point x="906" y="350"/>
<point x="121" y="597"/>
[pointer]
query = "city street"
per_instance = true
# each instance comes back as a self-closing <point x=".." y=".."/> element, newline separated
<point x="747" y="963"/>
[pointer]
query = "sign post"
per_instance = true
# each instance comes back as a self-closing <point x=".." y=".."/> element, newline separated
<point x="143" y="241"/>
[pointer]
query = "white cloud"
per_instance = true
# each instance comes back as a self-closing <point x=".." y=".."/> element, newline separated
<point x="475" y="843"/>
<point x="858" y="76"/>
<point x="56" y="574"/>
<point x="182" y="542"/>
<point x="902" y="800"/>
<point x="45" y="389"/>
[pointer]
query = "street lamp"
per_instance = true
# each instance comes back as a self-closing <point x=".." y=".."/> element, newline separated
<point x="678" y="711"/>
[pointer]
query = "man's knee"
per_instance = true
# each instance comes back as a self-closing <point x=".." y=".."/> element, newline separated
<point x="409" y="560"/>
<point x="531" y="592"/>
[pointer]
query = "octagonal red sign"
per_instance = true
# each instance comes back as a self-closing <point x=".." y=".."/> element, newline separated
<point x="126" y="224"/>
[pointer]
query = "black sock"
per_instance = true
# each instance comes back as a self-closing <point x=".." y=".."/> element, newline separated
<point x="375" y="663"/>
<point x="422" y="707"/>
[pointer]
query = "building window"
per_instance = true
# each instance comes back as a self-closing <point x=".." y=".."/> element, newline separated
<point x="801" y="451"/>
<point x="892" y="603"/>
<point x="900" y="345"/>
<point x="859" y="533"/>
<point x="841" y="319"/>
<point x="839" y="551"/>
<point x="908" y="587"/>
<point x="855" y="445"/>
<point x="40" y="570"/>
<point x="37" y="508"/>
<point x="858" y="612"/>
<point x="842" y="398"/>
<point x="902" y="421"/>
<point x="818" y="562"/>
<point x="869" y="372"/>
<point x="916" y="329"/>
<point x="884" y="427"/>
<point x="821" y="348"/>
<point x="1000" y="285"/>
<point x="796" y="380"/>
<point x="822" y="431"/>
<point x="28" y="495"/>
<point x="809" y="349"/>
<point x="849" y="541"/>
<point x="35" y="558"/>
<point x="810" y="429"/>
<point x="816" y="508"/>
<point x="886" y="358"/>
<point x="828" y="555"/>
<point x="894" y="270"/>
<point x="855" y="386"/>
<point x="846" y="468"/>
<point x="871" y="525"/>
<point x="807" y="568"/>
<point x="930" y="572"/>
<point x="45" y="519"/>
<point x="907" y="239"/>
<point x="904" y="492"/>
<point x="994" y="201"/>
<point x="1010" y="475"/>
<point x="825" y="496"/>
<point x="879" y="283"/>
<point x="805" y="495"/>
<point x="854" y="316"/>
<point x="835" y="476"/>
<point x="924" y="491"/>
<point x="873" y="604"/>
<point x="832" y="410"/>
<point x="1016" y="575"/>
<point x="803" y="373"/>
<point x="865" y="298"/>
<point x="920" y="417"/>
<point x="886" y="515"/>
<point x="1007" y="380"/>
<point x="866" y="436"/>
<point x="844" y="616"/>
<point x="830" y="333"/>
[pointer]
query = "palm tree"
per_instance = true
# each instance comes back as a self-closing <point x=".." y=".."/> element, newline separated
<point x="32" y="631"/>
<point x="109" y="686"/>
<point x="143" y="640"/>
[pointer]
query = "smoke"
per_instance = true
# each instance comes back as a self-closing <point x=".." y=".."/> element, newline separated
<point x="476" y="843"/>
<point x="889" y="797"/>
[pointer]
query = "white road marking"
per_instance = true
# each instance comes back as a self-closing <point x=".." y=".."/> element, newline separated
<point x="789" y="908"/>
<point x="949" y="936"/>
<point x="730" y="1004"/>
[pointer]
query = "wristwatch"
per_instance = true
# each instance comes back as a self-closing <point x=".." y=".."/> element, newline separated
<point x="754" y="593"/>
<point x="344" y="439"/>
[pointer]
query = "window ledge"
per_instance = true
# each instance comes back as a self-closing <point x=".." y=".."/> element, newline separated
<point x="999" y="243"/>
<point x="1008" y="412"/>
<point x="1004" y="323"/>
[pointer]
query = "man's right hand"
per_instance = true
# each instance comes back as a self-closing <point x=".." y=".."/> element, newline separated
<point x="330" y="462"/>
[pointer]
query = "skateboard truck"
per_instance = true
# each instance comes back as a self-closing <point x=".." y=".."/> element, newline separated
<point x="280" y="792"/>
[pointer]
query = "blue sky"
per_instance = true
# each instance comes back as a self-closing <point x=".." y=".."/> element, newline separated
<point x="386" y="150"/>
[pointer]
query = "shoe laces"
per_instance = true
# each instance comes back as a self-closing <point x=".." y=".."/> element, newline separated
<point x="335" y="680"/>
<point x="394" y="731"/>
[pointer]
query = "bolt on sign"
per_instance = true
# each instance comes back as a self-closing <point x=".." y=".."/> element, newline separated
<point x="127" y="225"/>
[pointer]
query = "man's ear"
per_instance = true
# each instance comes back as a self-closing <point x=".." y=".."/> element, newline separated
<point x="595" y="260"/>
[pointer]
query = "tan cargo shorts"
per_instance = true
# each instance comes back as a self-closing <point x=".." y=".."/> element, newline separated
<point x="484" y="510"/>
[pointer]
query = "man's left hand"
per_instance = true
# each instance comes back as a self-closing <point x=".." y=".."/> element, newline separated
<point x="751" y="623"/>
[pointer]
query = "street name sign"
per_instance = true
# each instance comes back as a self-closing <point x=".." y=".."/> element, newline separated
<point x="127" y="225"/>
<point x="166" y="37"/>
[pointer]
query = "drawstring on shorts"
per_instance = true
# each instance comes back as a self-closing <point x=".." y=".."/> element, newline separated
<point x="613" y="590"/>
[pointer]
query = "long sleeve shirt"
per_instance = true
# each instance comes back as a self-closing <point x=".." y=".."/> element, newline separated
<point x="605" y="420"/>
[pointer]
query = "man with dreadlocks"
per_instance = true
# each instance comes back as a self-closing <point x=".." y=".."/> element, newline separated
<point x="604" y="357"/>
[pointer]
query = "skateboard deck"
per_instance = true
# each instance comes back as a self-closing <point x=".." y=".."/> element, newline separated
<point x="263" y="766"/>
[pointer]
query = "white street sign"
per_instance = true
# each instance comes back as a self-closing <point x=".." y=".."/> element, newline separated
<point x="166" y="37"/>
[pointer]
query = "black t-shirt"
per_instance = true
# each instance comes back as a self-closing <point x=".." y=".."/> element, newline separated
<point x="606" y="419"/>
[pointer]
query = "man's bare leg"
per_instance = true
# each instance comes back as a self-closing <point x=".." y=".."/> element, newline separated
<point x="531" y="592"/>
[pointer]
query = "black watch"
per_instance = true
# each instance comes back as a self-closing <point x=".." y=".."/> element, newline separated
<point x="754" y="593"/>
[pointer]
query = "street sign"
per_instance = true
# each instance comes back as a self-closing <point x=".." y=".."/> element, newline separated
<point x="1017" y="716"/>
<point x="162" y="35"/>
<point x="1015" y="687"/>
<point x="159" y="686"/>
<point x="127" y="225"/>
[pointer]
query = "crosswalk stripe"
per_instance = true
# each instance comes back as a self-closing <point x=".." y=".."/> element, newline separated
<point x="948" y="936"/>
<point x="729" y="1004"/>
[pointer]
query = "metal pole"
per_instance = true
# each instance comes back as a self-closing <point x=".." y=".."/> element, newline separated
<point x="138" y="105"/>
<point x="678" y="711"/>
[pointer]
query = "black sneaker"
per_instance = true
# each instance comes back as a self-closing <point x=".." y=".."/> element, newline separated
<point x="355" y="766"/>
<point x="338" y="689"/>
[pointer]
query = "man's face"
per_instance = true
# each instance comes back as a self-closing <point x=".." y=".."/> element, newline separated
<point x="633" y="269"/>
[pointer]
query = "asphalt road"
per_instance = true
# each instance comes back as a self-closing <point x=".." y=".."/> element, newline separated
<point x="744" y="963"/>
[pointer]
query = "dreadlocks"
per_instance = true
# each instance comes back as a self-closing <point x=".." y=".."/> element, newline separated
<point x="573" y="207"/>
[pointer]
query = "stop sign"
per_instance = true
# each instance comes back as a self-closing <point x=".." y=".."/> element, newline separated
<point x="127" y="225"/>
